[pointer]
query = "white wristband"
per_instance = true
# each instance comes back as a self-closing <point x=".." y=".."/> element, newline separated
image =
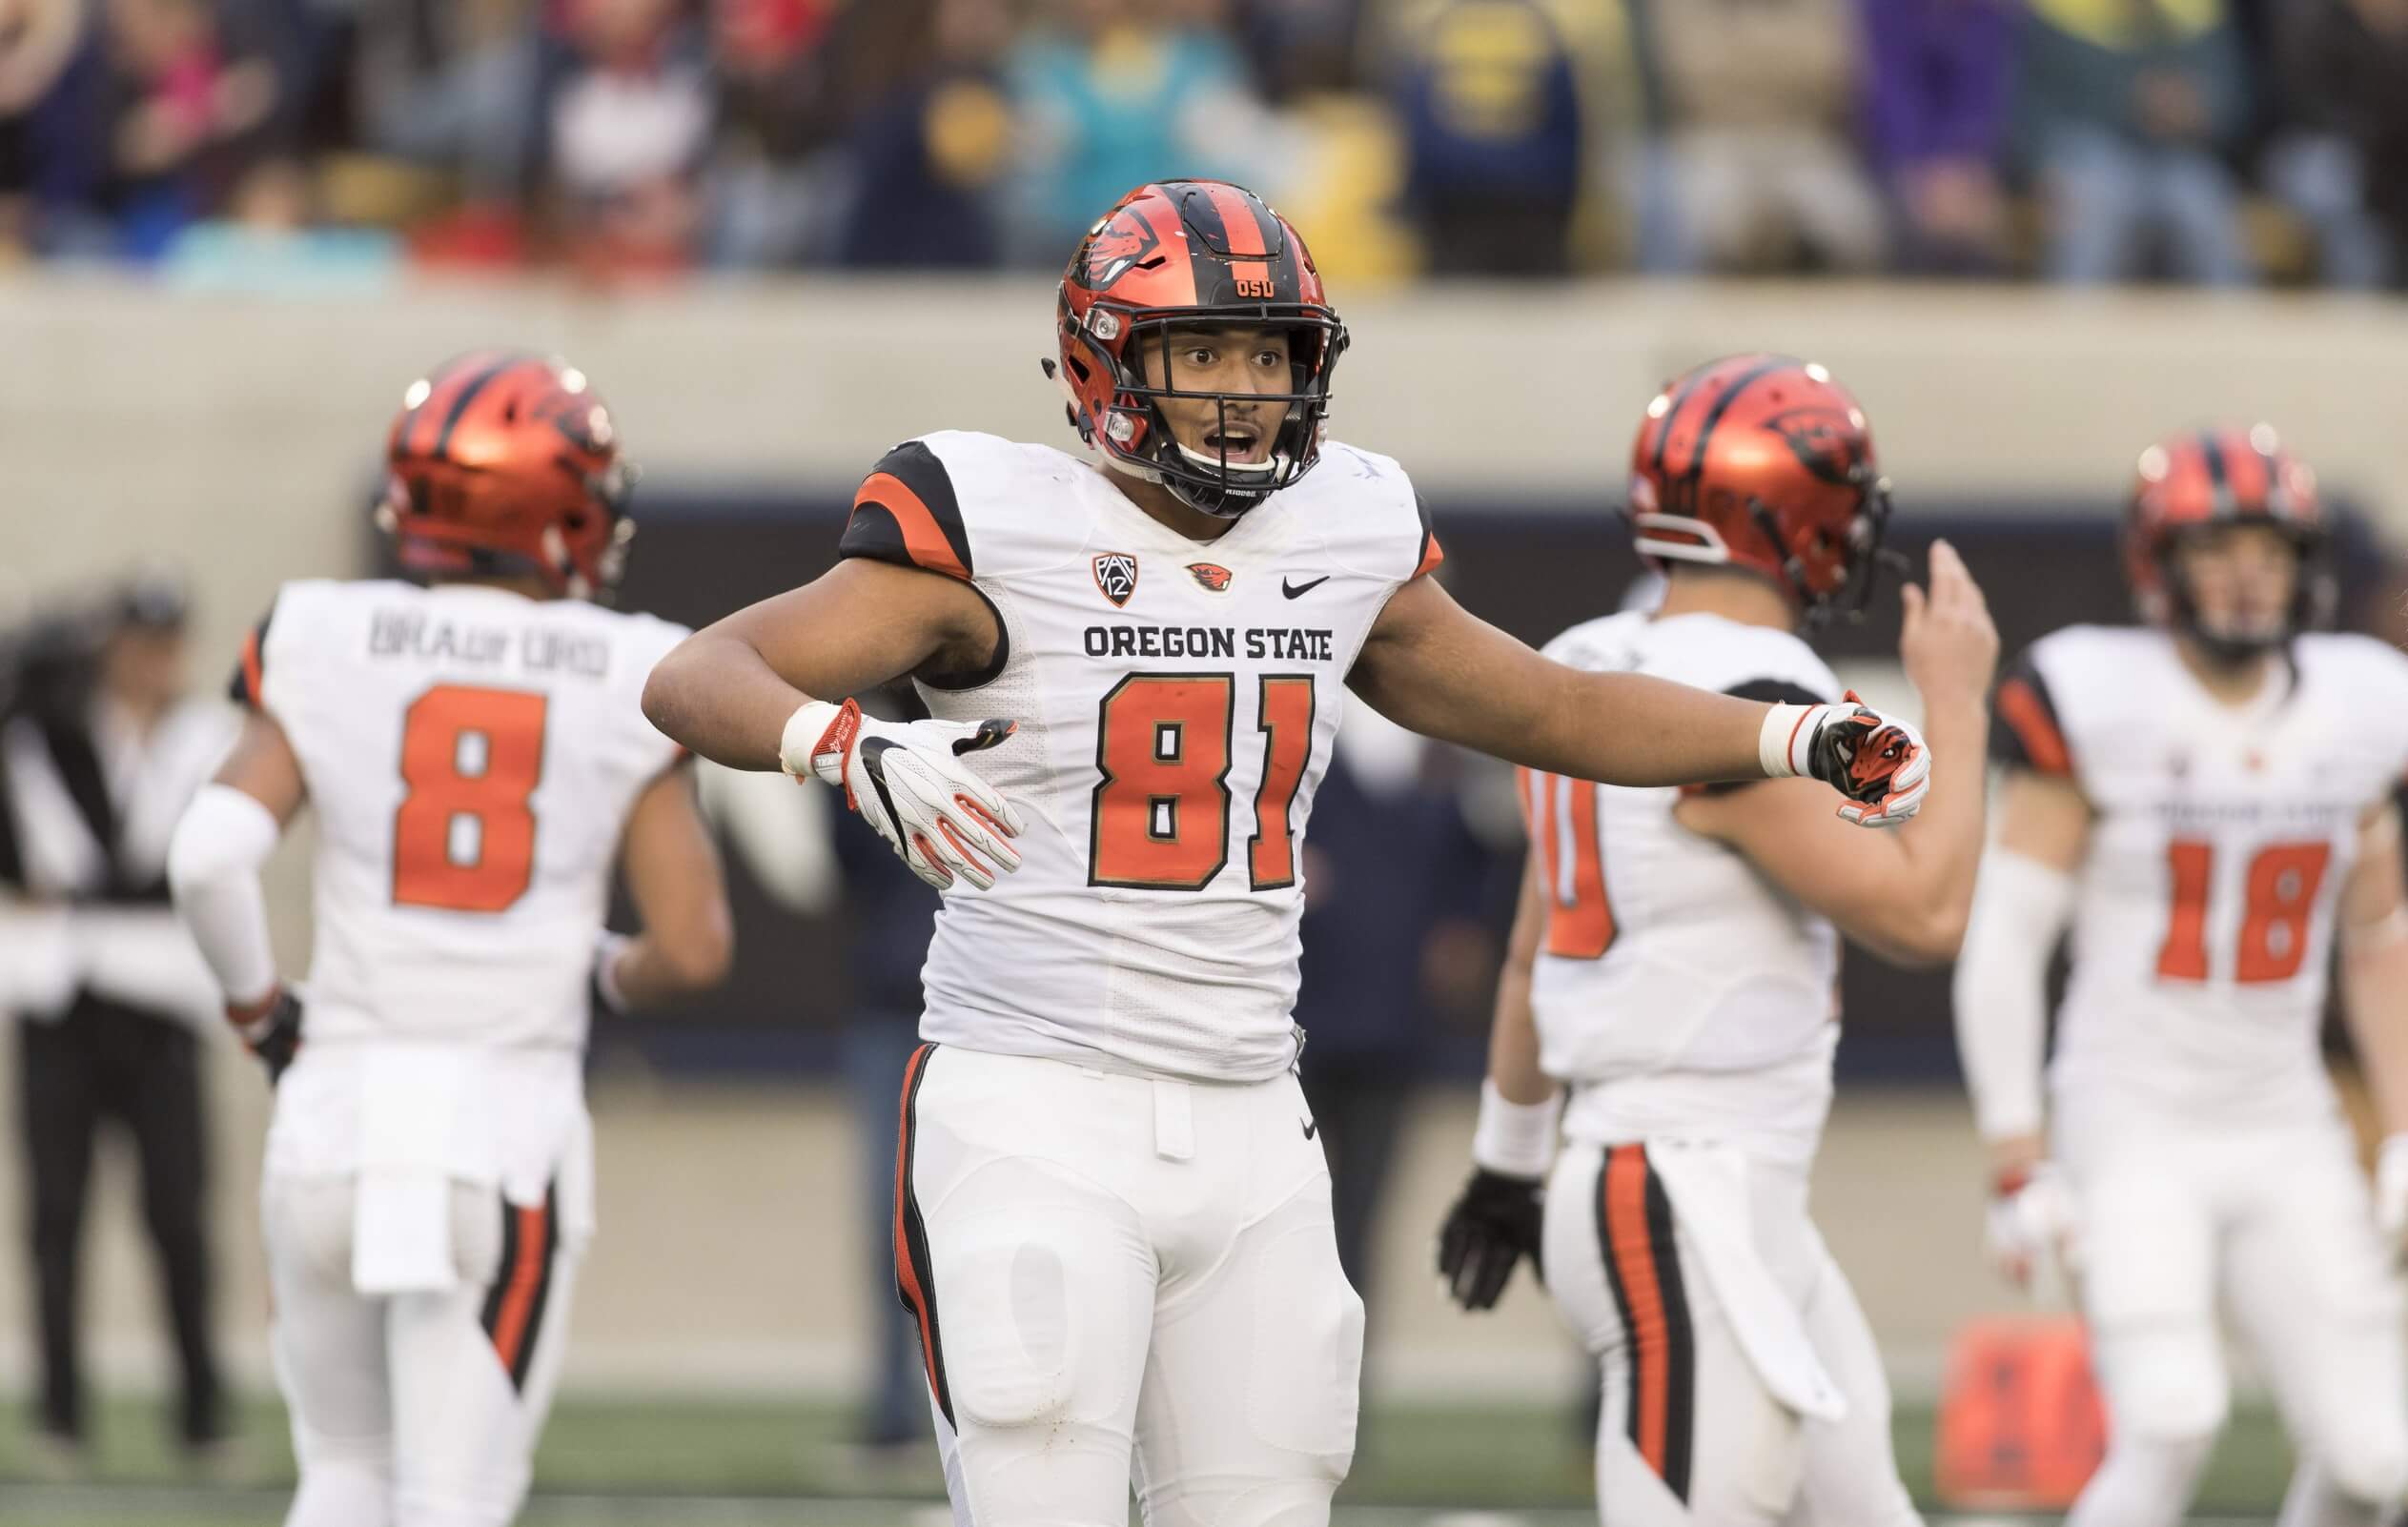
<point x="801" y="739"/>
<point x="1776" y="744"/>
<point x="1514" y="1139"/>
<point x="608" y="946"/>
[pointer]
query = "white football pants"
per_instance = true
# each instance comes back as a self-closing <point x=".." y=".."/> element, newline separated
<point x="1110" y="1267"/>
<point x="1692" y="1434"/>
<point x="418" y="1410"/>
<point x="2271" y="1223"/>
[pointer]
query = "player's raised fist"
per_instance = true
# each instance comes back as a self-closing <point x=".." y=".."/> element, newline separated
<point x="1880" y="762"/>
<point x="908" y="780"/>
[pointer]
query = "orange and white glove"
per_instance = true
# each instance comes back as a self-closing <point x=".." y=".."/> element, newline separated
<point x="908" y="780"/>
<point x="1881" y="764"/>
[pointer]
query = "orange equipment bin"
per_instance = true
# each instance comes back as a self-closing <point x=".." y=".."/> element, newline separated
<point x="2021" y="1426"/>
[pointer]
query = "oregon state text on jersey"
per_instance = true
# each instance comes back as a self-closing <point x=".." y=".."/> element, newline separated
<point x="2205" y="914"/>
<point x="1176" y="702"/>
<point x="1666" y="958"/>
<point x="472" y="756"/>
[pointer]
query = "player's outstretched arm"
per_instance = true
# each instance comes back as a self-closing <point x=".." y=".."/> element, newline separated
<point x="1432" y="666"/>
<point x="1907" y="894"/>
<point x="1495" y="1220"/>
<point x="680" y="894"/>
<point x="213" y="872"/>
<point x="2374" y="935"/>
<point x="753" y="691"/>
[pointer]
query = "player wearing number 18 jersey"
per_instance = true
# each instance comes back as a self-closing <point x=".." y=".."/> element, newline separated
<point x="1113" y="1220"/>
<point x="479" y="766"/>
<point x="2207" y="797"/>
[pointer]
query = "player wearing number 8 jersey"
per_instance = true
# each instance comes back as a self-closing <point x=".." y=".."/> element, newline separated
<point x="479" y="766"/>
<point x="1113" y="1222"/>
<point x="2207" y="797"/>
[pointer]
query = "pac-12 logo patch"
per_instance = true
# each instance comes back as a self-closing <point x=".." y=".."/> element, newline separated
<point x="1116" y="575"/>
<point x="1213" y="577"/>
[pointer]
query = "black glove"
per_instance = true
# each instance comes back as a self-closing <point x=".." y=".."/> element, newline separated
<point x="1492" y="1226"/>
<point x="271" y="1030"/>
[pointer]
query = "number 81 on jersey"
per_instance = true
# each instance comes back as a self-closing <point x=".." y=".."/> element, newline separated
<point x="1163" y="747"/>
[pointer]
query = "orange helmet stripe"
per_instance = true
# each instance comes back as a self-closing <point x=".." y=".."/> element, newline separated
<point x="1243" y="233"/>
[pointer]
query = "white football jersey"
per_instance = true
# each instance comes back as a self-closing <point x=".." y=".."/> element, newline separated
<point x="1675" y="988"/>
<point x="1176" y="703"/>
<point x="2204" y="920"/>
<point x="471" y="757"/>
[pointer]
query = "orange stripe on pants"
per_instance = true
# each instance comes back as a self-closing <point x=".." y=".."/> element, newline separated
<point x="526" y="1275"/>
<point x="907" y="1274"/>
<point x="1625" y="1193"/>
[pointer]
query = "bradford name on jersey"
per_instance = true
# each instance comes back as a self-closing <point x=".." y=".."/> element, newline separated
<point x="2204" y="918"/>
<point x="471" y="757"/>
<point x="1176" y="701"/>
<point x="1674" y="988"/>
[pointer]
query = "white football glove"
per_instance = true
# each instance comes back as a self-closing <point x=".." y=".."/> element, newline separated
<point x="2391" y="1193"/>
<point x="2031" y="1226"/>
<point x="1881" y="764"/>
<point x="907" y="781"/>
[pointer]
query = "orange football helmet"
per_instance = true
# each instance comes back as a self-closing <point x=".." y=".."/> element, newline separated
<point x="1764" y="462"/>
<point x="2197" y="478"/>
<point x="1183" y="254"/>
<point x="502" y="463"/>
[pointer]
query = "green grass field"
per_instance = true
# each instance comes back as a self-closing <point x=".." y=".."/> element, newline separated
<point x="751" y="1463"/>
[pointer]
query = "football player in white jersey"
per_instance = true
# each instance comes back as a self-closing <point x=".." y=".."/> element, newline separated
<point x="477" y="763"/>
<point x="2207" y="799"/>
<point x="1112" y="1221"/>
<point x="1670" y="988"/>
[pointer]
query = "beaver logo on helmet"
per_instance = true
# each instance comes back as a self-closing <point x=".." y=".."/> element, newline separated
<point x="1119" y="245"/>
<point x="1827" y="441"/>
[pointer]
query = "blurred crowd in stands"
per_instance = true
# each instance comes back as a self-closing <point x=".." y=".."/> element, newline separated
<point x="277" y="141"/>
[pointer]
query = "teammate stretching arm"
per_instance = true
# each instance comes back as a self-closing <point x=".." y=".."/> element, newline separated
<point x="1668" y="990"/>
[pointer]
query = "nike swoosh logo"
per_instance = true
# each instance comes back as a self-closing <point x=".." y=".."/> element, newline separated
<point x="1310" y="1126"/>
<point x="1299" y="590"/>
